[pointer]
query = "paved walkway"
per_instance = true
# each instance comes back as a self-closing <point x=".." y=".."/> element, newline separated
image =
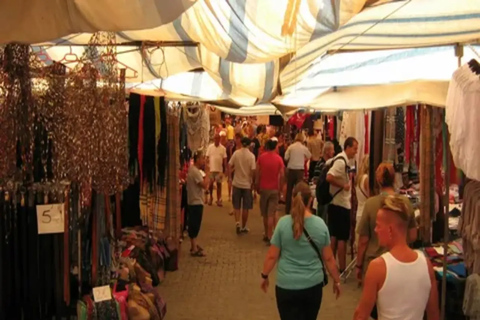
<point x="226" y="284"/>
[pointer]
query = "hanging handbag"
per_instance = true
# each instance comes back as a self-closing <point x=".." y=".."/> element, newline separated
<point x="314" y="246"/>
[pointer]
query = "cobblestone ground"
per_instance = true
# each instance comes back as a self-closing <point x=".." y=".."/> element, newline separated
<point x="226" y="284"/>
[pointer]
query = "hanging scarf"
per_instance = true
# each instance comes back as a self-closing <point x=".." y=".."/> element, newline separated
<point x="141" y="137"/>
<point x="173" y="200"/>
<point x="149" y="142"/>
<point x="158" y="127"/>
<point x="184" y="152"/>
<point x="162" y="144"/>
<point x="409" y="134"/>
<point x="133" y="122"/>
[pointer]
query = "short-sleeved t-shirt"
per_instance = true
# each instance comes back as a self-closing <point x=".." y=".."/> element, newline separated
<point x="299" y="266"/>
<point x="366" y="226"/>
<point x="340" y="171"/>
<point x="296" y="155"/>
<point x="230" y="132"/>
<point x="243" y="163"/>
<point x="216" y="155"/>
<point x="270" y="165"/>
<point x="194" y="191"/>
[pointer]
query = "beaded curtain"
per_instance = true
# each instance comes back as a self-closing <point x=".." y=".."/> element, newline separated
<point x="76" y="120"/>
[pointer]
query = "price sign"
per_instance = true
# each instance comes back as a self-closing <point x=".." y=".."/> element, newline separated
<point x="102" y="294"/>
<point x="50" y="218"/>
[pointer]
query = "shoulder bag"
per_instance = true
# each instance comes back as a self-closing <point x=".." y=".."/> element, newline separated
<point x="314" y="246"/>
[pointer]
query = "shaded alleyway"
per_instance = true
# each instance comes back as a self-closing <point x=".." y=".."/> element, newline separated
<point x="225" y="285"/>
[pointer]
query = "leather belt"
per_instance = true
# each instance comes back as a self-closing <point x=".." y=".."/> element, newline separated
<point x="66" y="250"/>
<point x="107" y="214"/>
<point x="94" y="244"/>
<point x="118" y="211"/>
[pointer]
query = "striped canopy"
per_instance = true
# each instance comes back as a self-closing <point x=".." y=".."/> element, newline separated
<point x="235" y="51"/>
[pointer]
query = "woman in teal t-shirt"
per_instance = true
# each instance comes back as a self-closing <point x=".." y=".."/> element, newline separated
<point x="300" y="272"/>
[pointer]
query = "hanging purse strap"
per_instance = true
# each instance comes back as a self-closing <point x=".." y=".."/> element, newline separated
<point x="315" y="247"/>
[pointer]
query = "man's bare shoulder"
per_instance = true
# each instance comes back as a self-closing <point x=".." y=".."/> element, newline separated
<point x="377" y="268"/>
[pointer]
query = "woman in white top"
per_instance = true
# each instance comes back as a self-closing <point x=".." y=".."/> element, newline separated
<point x="362" y="189"/>
<point x="401" y="282"/>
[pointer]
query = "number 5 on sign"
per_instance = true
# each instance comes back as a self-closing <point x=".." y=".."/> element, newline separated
<point x="50" y="218"/>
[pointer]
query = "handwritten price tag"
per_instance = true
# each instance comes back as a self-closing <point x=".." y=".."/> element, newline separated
<point x="102" y="294"/>
<point x="50" y="218"/>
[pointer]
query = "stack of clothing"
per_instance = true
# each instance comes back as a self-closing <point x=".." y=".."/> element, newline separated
<point x="456" y="275"/>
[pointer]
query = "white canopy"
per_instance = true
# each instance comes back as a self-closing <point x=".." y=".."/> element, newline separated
<point x="260" y="110"/>
<point x="433" y="93"/>
<point x="400" y="24"/>
<point x="242" y="31"/>
<point x="360" y="69"/>
<point x="31" y="21"/>
<point x="251" y="69"/>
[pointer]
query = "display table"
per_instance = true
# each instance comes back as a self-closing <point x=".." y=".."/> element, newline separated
<point x="456" y="275"/>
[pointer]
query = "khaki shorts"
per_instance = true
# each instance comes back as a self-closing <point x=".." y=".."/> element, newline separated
<point x="242" y="199"/>
<point x="269" y="202"/>
<point x="216" y="177"/>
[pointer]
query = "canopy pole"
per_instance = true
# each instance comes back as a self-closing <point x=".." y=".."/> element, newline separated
<point x="446" y="165"/>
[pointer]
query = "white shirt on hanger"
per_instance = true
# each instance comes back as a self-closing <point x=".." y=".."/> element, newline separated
<point x="462" y="118"/>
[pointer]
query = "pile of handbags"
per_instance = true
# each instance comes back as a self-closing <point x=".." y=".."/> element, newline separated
<point x="141" y="267"/>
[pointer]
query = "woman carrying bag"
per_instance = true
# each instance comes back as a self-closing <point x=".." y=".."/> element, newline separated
<point x="301" y="245"/>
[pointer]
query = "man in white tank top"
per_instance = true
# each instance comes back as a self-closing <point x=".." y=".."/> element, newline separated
<point x="401" y="282"/>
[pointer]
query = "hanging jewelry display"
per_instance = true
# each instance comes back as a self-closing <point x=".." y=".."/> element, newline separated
<point x="18" y="109"/>
<point x="7" y="126"/>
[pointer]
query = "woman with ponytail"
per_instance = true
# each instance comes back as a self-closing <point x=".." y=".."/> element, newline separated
<point x="368" y="246"/>
<point x="301" y="245"/>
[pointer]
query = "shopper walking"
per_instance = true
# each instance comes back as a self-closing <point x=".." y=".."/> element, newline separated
<point x="327" y="154"/>
<point x="301" y="246"/>
<point x="315" y="146"/>
<point x="339" y="209"/>
<point x="217" y="160"/>
<point x="232" y="147"/>
<point x="197" y="182"/>
<point x="269" y="178"/>
<point x="362" y="190"/>
<point x="295" y="156"/>
<point x="401" y="267"/>
<point x="242" y="164"/>
<point x="230" y="129"/>
<point x="368" y="243"/>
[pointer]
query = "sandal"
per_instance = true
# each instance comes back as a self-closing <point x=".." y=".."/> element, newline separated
<point x="197" y="254"/>
<point x="198" y="249"/>
<point x="219" y="203"/>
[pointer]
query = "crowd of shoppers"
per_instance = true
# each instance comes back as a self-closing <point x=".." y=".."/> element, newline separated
<point x="304" y="244"/>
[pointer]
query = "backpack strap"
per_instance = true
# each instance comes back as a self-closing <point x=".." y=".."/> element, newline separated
<point x="346" y="171"/>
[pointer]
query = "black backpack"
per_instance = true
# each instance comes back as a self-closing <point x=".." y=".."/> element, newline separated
<point x="323" y="186"/>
